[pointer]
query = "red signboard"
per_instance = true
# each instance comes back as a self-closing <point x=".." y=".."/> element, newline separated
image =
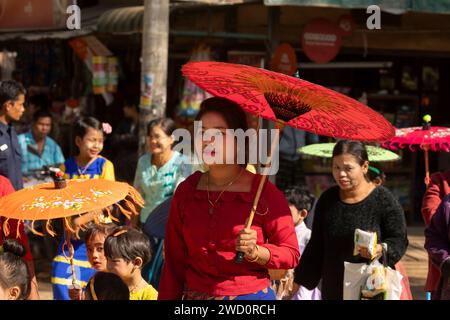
<point x="321" y="40"/>
<point x="26" y="14"/>
<point x="284" y="60"/>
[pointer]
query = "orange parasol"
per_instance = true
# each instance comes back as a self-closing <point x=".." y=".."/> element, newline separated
<point x="65" y="199"/>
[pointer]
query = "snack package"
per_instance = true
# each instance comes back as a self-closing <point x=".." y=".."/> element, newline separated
<point x="365" y="239"/>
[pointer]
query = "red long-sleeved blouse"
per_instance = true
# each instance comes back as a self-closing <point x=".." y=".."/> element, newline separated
<point x="200" y="247"/>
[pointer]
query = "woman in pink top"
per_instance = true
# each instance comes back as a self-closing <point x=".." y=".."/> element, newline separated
<point x="207" y="217"/>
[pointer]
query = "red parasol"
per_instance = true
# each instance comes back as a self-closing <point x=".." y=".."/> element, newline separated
<point x="426" y="138"/>
<point x="288" y="100"/>
<point x="293" y="101"/>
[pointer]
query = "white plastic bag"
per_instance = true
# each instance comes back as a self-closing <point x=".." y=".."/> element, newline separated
<point x="356" y="275"/>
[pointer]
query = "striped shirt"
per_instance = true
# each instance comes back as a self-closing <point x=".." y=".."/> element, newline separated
<point x="62" y="271"/>
<point x="101" y="168"/>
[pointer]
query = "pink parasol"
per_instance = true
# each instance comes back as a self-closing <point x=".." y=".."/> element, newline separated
<point x="426" y="138"/>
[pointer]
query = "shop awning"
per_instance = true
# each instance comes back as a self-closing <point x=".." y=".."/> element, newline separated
<point x="121" y="20"/>
<point x="391" y="6"/>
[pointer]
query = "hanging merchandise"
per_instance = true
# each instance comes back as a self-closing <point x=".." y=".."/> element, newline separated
<point x="112" y="74"/>
<point x="147" y="91"/>
<point x="7" y="64"/>
<point x="99" y="79"/>
<point x="192" y="95"/>
<point x="96" y="57"/>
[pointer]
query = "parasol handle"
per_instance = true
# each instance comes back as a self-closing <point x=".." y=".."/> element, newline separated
<point x="427" y="169"/>
<point x="240" y="255"/>
<point x="70" y="247"/>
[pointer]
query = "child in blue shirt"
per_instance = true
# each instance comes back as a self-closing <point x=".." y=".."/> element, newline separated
<point x="88" y="164"/>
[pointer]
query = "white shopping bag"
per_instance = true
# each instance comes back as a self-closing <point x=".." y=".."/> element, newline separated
<point x="356" y="275"/>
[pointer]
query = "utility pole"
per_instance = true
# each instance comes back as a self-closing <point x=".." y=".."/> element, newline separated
<point x="155" y="47"/>
<point x="273" y="36"/>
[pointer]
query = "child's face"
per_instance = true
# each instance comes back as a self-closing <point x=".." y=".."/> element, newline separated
<point x="158" y="141"/>
<point x="95" y="252"/>
<point x="91" y="144"/>
<point x="121" y="268"/>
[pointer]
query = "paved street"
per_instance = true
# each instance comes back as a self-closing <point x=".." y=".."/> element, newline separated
<point x="415" y="262"/>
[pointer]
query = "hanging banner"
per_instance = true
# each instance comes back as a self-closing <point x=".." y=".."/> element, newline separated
<point x="99" y="78"/>
<point x="146" y="91"/>
<point x="321" y="40"/>
<point x="284" y="60"/>
<point x="192" y="96"/>
<point x="113" y="77"/>
<point x="87" y="47"/>
<point x="101" y="64"/>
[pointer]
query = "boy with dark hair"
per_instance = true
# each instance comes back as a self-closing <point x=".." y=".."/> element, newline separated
<point x="127" y="250"/>
<point x="301" y="201"/>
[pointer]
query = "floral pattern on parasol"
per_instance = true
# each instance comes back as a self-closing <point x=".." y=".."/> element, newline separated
<point x="426" y="138"/>
<point x="44" y="202"/>
<point x="64" y="199"/>
<point x="435" y="138"/>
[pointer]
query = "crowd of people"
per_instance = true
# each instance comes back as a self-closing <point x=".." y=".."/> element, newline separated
<point x="206" y="223"/>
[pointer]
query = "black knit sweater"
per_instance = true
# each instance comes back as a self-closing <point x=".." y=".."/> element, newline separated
<point x="332" y="237"/>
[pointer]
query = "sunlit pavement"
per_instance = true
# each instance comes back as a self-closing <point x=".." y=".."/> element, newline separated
<point x="416" y="262"/>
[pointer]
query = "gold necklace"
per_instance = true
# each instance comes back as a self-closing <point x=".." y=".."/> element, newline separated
<point x="213" y="204"/>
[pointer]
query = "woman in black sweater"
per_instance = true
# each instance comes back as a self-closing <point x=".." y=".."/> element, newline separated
<point x="353" y="203"/>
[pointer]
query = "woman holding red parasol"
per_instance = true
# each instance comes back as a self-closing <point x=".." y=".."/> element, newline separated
<point x="279" y="98"/>
<point x="206" y="224"/>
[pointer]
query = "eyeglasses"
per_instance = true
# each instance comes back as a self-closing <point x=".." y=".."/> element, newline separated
<point x="159" y="138"/>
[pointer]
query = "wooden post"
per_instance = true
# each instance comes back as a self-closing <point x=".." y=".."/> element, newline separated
<point x="155" y="47"/>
